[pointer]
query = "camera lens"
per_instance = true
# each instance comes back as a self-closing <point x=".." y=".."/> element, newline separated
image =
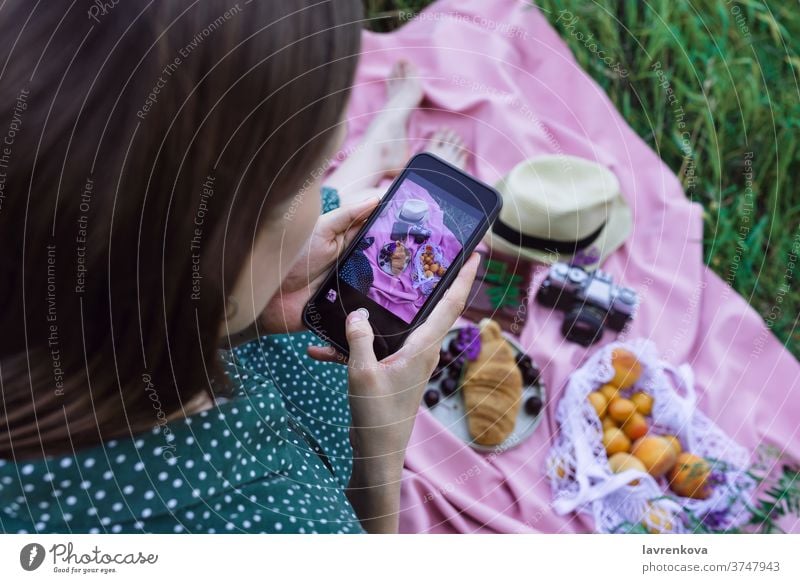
<point x="626" y="295"/>
<point x="576" y="275"/>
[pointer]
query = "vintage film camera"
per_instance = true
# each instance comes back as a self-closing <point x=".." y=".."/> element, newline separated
<point x="402" y="229"/>
<point x="590" y="302"/>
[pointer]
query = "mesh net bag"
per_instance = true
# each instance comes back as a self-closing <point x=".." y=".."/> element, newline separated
<point x="418" y="279"/>
<point x="577" y="465"/>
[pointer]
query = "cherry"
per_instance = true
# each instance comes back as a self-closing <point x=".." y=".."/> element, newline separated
<point x="445" y="358"/>
<point x="530" y="374"/>
<point x="449" y="386"/>
<point x="533" y="406"/>
<point x="431" y="397"/>
<point x="454" y="347"/>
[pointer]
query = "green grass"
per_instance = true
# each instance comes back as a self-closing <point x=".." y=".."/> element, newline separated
<point x="735" y="72"/>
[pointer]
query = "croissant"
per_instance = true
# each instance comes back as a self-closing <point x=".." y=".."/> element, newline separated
<point x="492" y="388"/>
<point x="399" y="258"/>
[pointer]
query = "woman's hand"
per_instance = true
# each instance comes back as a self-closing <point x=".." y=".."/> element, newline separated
<point x="333" y="232"/>
<point x="385" y="397"/>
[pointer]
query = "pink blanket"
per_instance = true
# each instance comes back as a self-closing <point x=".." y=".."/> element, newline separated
<point x="496" y="71"/>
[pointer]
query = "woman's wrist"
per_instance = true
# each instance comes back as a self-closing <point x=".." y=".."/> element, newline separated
<point x="374" y="488"/>
<point x="374" y="492"/>
<point x="378" y="457"/>
<point x="376" y="472"/>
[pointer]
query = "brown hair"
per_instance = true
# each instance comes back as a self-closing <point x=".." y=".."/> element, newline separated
<point x="140" y="150"/>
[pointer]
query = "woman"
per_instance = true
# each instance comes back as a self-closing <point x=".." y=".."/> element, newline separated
<point x="160" y="200"/>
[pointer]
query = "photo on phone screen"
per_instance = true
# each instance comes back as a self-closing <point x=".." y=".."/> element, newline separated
<point x="408" y="249"/>
<point x="430" y="220"/>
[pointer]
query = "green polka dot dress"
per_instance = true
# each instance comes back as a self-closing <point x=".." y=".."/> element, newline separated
<point x="274" y="458"/>
<point x="314" y="393"/>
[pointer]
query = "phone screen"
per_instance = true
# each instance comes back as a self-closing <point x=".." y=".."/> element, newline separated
<point x="408" y="249"/>
<point x="418" y="234"/>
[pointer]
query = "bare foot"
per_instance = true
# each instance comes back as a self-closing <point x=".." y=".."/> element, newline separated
<point x="449" y="146"/>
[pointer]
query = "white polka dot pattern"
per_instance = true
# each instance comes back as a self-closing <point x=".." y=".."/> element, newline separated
<point x="247" y="465"/>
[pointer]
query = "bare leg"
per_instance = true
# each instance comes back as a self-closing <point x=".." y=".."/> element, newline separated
<point x="445" y="143"/>
<point x="383" y="149"/>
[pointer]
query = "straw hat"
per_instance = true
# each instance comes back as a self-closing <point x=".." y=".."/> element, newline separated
<point x="414" y="210"/>
<point x="560" y="208"/>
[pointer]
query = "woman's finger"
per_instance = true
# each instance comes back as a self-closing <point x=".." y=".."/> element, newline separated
<point x="359" y="339"/>
<point x="335" y="230"/>
<point x="446" y="312"/>
<point x="350" y="235"/>
<point x="326" y="354"/>
<point x="340" y="220"/>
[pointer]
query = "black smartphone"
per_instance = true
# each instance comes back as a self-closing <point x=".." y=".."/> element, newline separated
<point x="407" y="254"/>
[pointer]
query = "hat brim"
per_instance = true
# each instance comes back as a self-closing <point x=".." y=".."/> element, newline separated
<point x="617" y="229"/>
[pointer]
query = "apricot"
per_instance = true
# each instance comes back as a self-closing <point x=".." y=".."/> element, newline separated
<point x="562" y="468"/>
<point x="689" y="477"/>
<point x="615" y="441"/>
<point x="599" y="403"/>
<point x="609" y="423"/>
<point x="620" y="409"/>
<point x="619" y="462"/>
<point x="643" y="402"/>
<point x="635" y="426"/>
<point x="627" y="369"/>
<point x="658" y="520"/>
<point x="675" y="443"/>
<point x="610" y="392"/>
<point x="656" y="454"/>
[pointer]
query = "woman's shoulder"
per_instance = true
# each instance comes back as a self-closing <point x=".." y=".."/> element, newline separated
<point x="243" y="465"/>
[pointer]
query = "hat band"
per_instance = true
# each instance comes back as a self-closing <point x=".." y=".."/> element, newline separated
<point x="511" y="235"/>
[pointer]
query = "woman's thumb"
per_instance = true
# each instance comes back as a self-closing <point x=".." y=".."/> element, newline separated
<point x="359" y="338"/>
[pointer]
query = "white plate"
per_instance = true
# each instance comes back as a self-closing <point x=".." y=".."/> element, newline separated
<point x="451" y="412"/>
<point x="385" y="261"/>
